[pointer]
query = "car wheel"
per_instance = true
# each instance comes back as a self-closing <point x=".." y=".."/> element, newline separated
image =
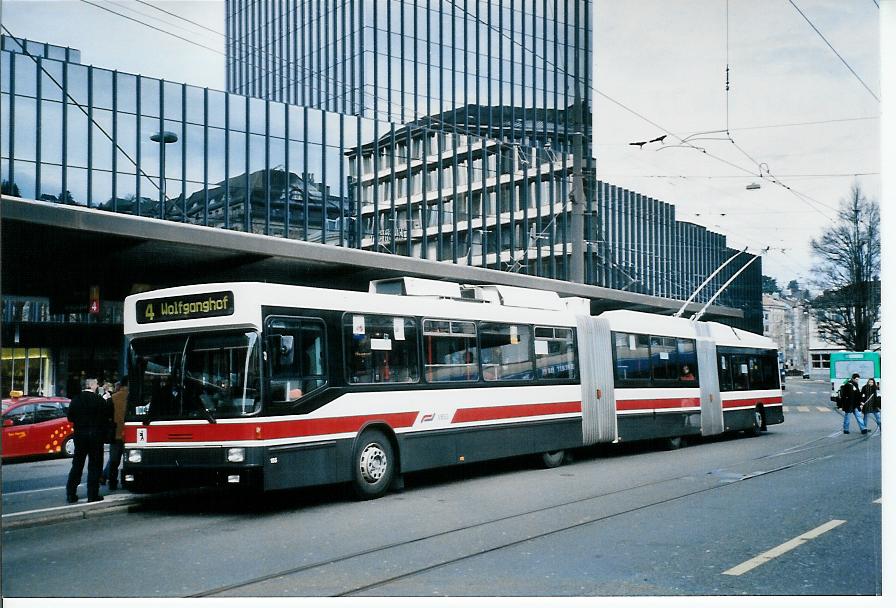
<point x="373" y="465"/>
<point x="68" y="447"/>
<point x="551" y="460"/>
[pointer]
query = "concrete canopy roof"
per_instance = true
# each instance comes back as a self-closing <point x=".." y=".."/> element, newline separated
<point x="57" y="251"/>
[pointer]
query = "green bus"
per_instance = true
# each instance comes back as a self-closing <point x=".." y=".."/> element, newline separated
<point x="845" y="363"/>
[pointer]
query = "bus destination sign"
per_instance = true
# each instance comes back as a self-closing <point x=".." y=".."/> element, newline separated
<point x="181" y="308"/>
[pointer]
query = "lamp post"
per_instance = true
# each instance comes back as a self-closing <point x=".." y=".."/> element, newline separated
<point x="163" y="138"/>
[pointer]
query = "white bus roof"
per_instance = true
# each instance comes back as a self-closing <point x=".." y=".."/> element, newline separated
<point x="248" y="299"/>
<point x="647" y="323"/>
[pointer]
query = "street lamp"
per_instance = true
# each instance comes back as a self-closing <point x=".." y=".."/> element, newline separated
<point x="163" y="137"/>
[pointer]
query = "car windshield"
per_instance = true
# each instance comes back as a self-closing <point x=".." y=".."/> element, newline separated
<point x="206" y="376"/>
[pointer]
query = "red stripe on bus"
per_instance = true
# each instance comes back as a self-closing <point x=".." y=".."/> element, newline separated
<point x="752" y="401"/>
<point x="249" y="431"/>
<point x="657" y="404"/>
<point x="479" y="414"/>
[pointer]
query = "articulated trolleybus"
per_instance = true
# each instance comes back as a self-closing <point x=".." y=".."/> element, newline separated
<point x="269" y="386"/>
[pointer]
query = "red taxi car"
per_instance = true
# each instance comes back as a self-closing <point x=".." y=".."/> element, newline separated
<point x="33" y="426"/>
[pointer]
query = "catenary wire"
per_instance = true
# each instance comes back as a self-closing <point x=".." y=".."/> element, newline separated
<point x="830" y="46"/>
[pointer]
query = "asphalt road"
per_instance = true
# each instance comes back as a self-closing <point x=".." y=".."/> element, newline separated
<point x="773" y="515"/>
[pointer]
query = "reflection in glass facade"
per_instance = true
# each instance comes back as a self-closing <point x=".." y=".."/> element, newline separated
<point x="485" y="181"/>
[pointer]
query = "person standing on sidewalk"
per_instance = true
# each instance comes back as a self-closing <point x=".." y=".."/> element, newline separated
<point x="91" y="416"/>
<point x="116" y="445"/>
<point x="851" y="403"/>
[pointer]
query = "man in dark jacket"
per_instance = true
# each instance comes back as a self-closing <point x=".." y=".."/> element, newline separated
<point x="850" y="403"/>
<point x="91" y="415"/>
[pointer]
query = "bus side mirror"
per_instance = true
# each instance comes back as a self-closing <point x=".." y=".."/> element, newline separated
<point x="8" y="422"/>
<point x="283" y="349"/>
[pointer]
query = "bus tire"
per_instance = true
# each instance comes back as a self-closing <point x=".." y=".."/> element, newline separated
<point x="552" y="460"/>
<point x="673" y="443"/>
<point x="758" y="422"/>
<point x="373" y="465"/>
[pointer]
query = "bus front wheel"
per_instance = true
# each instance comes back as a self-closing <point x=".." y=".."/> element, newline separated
<point x="373" y="465"/>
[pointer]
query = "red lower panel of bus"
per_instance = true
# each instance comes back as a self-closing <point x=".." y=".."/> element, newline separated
<point x="503" y="412"/>
<point x="252" y="431"/>
<point x="656" y="404"/>
<point x="752" y="401"/>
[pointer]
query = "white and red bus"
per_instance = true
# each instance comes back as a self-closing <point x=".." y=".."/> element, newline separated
<point x="272" y="386"/>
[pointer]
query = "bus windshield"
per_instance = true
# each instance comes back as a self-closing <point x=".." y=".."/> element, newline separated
<point x="205" y="376"/>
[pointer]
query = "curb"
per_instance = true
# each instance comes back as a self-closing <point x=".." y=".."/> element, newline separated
<point x="65" y="513"/>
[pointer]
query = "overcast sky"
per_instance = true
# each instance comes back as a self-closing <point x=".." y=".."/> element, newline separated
<point x="663" y="60"/>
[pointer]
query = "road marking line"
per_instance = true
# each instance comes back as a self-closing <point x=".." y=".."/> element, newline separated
<point x="802" y="408"/>
<point x="879" y="501"/>
<point x="821" y="408"/>
<point x="783" y="548"/>
<point x="57" y="488"/>
<point x="785" y="409"/>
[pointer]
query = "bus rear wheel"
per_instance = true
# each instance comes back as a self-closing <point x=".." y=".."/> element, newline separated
<point x="373" y="465"/>
<point x="673" y="443"/>
<point x="552" y="460"/>
<point x="758" y="423"/>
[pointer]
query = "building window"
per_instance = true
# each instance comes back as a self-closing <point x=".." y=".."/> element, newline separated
<point x="821" y="360"/>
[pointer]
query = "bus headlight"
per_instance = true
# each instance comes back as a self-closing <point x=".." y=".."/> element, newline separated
<point x="236" y="454"/>
<point x="135" y="455"/>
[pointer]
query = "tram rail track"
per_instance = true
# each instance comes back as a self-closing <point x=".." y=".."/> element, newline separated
<point x="693" y="483"/>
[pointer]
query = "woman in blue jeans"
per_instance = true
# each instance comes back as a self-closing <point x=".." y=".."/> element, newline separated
<point x="871" y="402"/>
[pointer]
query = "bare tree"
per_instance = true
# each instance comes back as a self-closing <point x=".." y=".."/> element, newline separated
<point x="848" y="273"/>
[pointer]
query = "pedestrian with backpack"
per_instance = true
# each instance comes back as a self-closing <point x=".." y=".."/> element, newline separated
<point x="850" y="401"/>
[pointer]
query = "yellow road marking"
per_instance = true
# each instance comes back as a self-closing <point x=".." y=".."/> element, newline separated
<point x="783" y="548"/>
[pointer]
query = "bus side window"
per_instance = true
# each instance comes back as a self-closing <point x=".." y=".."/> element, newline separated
<point x="740" y="372"/>
<point x="725" y="373"/>
<point x="295" y="349"/>
<point x="380" y="349"/>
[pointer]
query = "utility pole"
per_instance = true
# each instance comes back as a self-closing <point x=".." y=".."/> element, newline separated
<point x="577" y="225"/>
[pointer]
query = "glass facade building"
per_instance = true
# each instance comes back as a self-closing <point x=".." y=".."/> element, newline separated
<point x="476" y="169"/>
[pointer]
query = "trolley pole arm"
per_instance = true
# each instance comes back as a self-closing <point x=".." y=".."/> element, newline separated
<point x="697" y="316"/>
<point x="706" y="282"/>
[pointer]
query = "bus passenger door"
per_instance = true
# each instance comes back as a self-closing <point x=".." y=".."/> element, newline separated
<point x="596" y="372"/>
<point x="711" y="420"/>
